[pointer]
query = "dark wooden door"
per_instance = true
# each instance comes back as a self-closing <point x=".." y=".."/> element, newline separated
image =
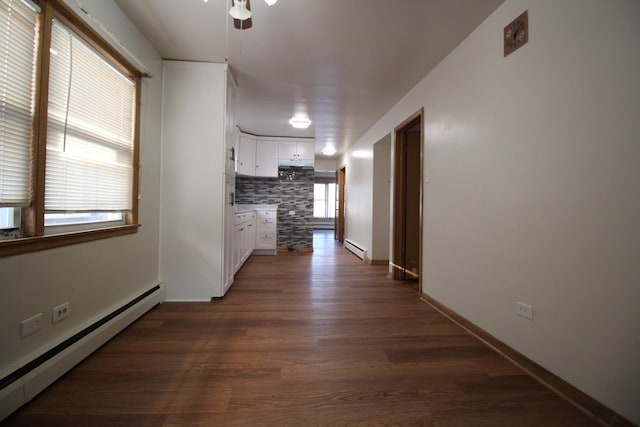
<point x="407" y="200"/>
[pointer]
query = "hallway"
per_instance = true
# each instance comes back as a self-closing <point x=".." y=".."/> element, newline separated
<point x="300" y="339"/>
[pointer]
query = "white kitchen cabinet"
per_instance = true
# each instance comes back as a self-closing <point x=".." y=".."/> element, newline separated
<point x="198" y="134"/>
<point x="267" y="158"/>
<point x="231" y="142"/>
<point x="296" y="153"/>
<point x="246" y="155"/>
<point x="306" y="150"/>
<point x="266" y="231"/>
<point x="245" y="237"/>
<point x="287" y="150"/>
<point x="257" y="156"/>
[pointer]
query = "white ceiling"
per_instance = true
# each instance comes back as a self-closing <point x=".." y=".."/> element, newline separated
<point x="342" y="62"/>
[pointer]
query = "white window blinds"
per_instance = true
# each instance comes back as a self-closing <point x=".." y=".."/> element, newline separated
<point x="18" y="46"/>
<point x="90" y="135"/>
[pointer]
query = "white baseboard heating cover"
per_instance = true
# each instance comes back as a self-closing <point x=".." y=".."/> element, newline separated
<point x="24" y="384"/>
<point x="356" y="249"/>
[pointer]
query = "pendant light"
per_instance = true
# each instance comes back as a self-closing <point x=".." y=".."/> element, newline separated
<point x="239" y="10"/>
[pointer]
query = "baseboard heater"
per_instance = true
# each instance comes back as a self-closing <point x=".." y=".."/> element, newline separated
<point x="355" y="249"/>
<point x="26" y="382"/>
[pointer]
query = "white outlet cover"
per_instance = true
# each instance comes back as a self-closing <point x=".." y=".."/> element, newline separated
<point x="60" y="312"/>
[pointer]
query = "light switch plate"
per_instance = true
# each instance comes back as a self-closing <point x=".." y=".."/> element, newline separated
<point x="31" y="325"/>
<point x="524" y="310"/>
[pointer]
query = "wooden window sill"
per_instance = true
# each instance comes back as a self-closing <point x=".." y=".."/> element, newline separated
<point x="41" y="243"/>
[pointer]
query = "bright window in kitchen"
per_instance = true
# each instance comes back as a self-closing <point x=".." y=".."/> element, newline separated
<point x="324" y="200"/>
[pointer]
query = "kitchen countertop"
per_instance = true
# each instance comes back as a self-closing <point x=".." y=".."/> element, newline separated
<point x="248" y="208"/>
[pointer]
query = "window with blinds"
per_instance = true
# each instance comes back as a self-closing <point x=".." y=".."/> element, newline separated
<point x="18" y="49"/>
<point x="324" y="200"/>
<point x="90" y="132"/>
<point x="68" y="130"/>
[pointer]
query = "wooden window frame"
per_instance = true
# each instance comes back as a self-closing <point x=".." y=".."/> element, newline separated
<point x="33" y="229"/>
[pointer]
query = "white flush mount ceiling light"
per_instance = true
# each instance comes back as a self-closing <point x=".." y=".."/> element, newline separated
<point x="329" y="150"/>
<point x="299" y="122"/>
<point x="271" y="2"/>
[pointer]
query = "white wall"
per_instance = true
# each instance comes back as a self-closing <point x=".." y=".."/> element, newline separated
<point x="534" y="194"/>
<point x="325" y="164"/>
<point x="381" y="209"/>
<point x="358" y="194"/>
<point x="95" y="277"/>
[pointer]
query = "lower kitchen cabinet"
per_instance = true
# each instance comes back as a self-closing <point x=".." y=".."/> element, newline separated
<point x="266" y="231"/>
<point x="245" y="238"/>
<point x="255" y="232"/>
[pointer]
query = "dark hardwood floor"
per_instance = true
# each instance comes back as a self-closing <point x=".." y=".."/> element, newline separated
<point x="301" y="339"/>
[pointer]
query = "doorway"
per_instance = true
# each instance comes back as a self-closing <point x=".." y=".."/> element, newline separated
<point x="339" y="231"/>
<point x="406" y="261"/>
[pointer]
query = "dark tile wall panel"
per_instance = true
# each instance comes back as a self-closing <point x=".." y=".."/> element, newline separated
<point x="294" y="194"/>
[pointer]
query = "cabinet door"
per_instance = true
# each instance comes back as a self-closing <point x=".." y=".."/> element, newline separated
<point x="246" y="156"/>
<point x="231" y="131"/>
<point x="306" y="150"/>
<point x="229" y="232"/>
<point x="237" y="253"/>
<point x="267" y="158"/>
<point x="287" y="150"/>
<point x="265" y="241"/>
<point x="266" y="222"/>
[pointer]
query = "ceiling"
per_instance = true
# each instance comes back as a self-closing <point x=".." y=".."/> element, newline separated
<point x="344" y="63"/>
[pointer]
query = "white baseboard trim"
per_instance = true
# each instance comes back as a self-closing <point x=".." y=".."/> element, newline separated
<point x="25" y="388"/>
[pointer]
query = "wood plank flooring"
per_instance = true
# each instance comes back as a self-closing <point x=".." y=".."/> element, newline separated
<point x="301" y="339"/>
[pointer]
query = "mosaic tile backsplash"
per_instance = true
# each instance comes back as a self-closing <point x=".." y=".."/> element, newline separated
<point x="295" y="194"/>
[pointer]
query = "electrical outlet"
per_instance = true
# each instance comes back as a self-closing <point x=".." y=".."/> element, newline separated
<point x="292" y="212"/>
<point x="31" y="325"/>
<point x="524" y="310"/>
<point x="60" y="312"/>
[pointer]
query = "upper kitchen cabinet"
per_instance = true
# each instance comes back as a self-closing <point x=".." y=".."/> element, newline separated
<point x="267" y="158"/>
<point x="296" y="153"/>
<point x="198" y="180"/>
<point x="246" y="155"/>
<point x="257" y="156"/>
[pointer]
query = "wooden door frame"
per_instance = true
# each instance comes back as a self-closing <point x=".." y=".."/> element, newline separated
<point x="398" y="193"/>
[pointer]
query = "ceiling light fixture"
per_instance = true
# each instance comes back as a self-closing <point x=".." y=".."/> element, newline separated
<point x="329" y="150"/>
<point x="300" y="122"/>
<point x="241" y="13"/>
<point x="239" y="10"/>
